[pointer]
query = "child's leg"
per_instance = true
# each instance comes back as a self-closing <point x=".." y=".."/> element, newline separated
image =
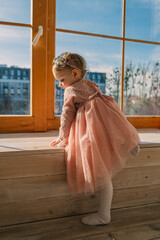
<point x="103" y="216"/>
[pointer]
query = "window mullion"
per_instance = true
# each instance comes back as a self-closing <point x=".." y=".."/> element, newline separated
<point x="123" y="53"/>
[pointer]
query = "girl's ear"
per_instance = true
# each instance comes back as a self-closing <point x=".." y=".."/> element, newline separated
<point x="75" y="72"/>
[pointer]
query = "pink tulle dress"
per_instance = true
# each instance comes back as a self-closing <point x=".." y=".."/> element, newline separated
<point x="96" y="135"/>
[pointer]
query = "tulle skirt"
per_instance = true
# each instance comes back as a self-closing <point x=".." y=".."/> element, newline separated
<point x="99" y="142"/>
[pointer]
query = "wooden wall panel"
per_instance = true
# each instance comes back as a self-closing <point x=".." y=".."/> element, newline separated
<point x="33" y="186"/>
<point x="29" y="165"/>
<point x="30" y="188"/>
<point x="54" y="207"/>
<point x="71" y="228"/>
<point x="51" y="162"/>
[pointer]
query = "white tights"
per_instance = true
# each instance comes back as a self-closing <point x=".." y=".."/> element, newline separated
<point x="103" y="216"/>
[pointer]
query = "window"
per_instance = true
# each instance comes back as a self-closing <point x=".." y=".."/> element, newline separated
<point x="142" y="80"/>
<point x="118" y="39"/>
<point x="18" y="72"/>
<point x="12" y="72"/>
<point x="15" y="47"/>
<point x="12" y="91"/>
<point x="5" y="89"/>
<point x="24" y="108"/>
<point x="99" y="76"/>
<point x="18" y="91"/>
<point x="128" y="58"/>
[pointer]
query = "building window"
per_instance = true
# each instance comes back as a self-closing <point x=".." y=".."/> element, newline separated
<point x="12" y="72"/>
<point x="19" y="72"/>
<point x="25" y="92"/>
<point x="12" y="91"/>
<point x="18" y="91"/>
<point x="24" y="73"/>
<point x="99" y="76"/>
<point x="5" y="91"/>
<point x="93" y="76"/>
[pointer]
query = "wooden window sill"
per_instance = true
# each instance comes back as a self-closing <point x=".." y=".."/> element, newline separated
<point x="13" y="142"/>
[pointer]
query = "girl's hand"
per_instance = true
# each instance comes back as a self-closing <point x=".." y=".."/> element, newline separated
<point x="54" y="143"/>
<point x="60" y="143"/>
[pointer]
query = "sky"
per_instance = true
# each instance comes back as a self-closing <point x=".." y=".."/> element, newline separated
<point x="95" y="16"/>
<point x="15" y="42"/>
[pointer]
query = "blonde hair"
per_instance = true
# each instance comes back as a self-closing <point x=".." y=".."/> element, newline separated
<point x="69" y="60"/>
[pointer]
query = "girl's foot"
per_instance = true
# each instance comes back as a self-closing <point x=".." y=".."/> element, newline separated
<point x="103" y="216"/>
<point x="96" y="219"/>
<point x="135" y="151"/>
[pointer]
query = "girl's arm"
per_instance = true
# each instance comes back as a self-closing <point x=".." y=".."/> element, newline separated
<point x="67" y="117"/>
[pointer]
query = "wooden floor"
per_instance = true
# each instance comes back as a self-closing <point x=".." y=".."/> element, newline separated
<point x="137" y="223"/>
<point x="35" y="203"/>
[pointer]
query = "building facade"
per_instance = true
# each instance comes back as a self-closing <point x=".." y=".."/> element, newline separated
<point x="14" y="90"/>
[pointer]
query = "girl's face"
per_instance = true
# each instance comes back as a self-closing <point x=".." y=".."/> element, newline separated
<point x="66" y="77"/>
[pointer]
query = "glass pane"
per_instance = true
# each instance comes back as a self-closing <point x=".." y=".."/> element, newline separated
<point x="15" y="11"/>
<point x="142" y="79"/>
<point x="101" y="17"/>
<point x="143" y="19"/>
<point x="103" y="57"/>
<point x="15" y="65"/>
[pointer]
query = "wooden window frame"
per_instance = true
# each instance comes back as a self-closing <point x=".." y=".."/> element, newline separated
<point x="43" y="84"/>
<point x="42" y="117"/>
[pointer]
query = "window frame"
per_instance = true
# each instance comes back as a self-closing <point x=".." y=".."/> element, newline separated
<point x="42" y="89"/>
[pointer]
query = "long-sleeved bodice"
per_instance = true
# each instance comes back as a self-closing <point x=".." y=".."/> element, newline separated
<point x="74" y="97"/>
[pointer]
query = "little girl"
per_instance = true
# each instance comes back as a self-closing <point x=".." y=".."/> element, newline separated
<point x="95" y="133"/>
